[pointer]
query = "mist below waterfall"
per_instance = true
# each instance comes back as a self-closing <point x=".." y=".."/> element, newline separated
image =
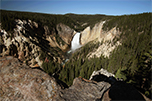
<point x="75" y="43"/>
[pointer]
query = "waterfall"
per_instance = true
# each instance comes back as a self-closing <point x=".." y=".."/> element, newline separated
<point x="75" y="43"/>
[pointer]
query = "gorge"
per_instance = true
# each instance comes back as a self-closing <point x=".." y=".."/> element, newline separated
<point x="111" y="52"/>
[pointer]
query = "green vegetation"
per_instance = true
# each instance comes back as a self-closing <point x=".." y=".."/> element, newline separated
<point x="80" y="65"/>
<point x="83" y="68"/>
<point x="87" y="20"/>
<point x="8" y="19"/>
<point x="130" y="61"/>
<point x="135" y="23"/>
<point x="50" y="67"/>
<point x="74" y="21"/>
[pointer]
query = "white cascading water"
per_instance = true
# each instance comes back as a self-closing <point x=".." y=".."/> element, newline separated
<point x="75" y="43"/>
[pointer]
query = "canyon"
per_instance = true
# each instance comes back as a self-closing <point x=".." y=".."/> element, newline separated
<point x="69" y="57"/>
<point x="25" y="43"/>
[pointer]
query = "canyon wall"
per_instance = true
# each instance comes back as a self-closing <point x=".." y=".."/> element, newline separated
<point x="29" y="40"/>
<point x="106" y="39"/>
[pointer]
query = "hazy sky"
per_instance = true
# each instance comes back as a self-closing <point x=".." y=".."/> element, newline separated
<point x="108" y="7"/>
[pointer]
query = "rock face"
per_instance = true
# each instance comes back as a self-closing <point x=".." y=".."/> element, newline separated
<point x="91" y="34"/>
<point x="83" y="90"/>
<point x="65" y="32"/>
<point x="97" y="33"/>
<point x="29" y="39"/>
<point x="19" y="82"/>
<point x="106" y="39"/>
<point x="20" y="45"/>
<point x="85" y="34"/>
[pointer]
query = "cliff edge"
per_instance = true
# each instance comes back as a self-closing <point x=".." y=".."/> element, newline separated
<point x="20" y="82"/>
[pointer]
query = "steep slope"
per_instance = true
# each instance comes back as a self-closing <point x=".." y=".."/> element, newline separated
<point x="44" y="35"/>
<point x="106" y="39"/>
<point x="35" y="37"/>
<point x="30" y="39"/>
<point x="65" y="32"/>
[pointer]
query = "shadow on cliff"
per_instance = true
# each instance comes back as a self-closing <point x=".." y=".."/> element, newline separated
<point x="123" y="91"/>
<point x="119" y="90"/>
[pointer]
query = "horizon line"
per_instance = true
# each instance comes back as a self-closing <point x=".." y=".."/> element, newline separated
<point x="74" y="13"/>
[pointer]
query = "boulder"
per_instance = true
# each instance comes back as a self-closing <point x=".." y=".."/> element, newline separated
<point x="101" y="72"/>
<point x="83" y="90"/>
<point x="100" y="88"/>
<point x="19" y="82"/>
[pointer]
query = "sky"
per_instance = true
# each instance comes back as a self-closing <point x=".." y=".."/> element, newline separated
<point x="107" y="7"/>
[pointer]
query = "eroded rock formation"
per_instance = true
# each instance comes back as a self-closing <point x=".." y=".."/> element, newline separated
<point x="91" y="34"/>
<point x="22" y="43"/>
<point x="106" y="38"/>
<point x="65" y="32"/>
<point x="29" y="39"/>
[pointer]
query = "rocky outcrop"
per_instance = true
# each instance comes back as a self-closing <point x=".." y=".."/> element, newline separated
<point x="53" y="43"/>
<point x="20" y="82"/>
<point x="100" y="88"/>
<point x="109" y="35"/>
<point x="65" y="32"/>
<point x="101" y="72"/>
<point x="83" y="90"/>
